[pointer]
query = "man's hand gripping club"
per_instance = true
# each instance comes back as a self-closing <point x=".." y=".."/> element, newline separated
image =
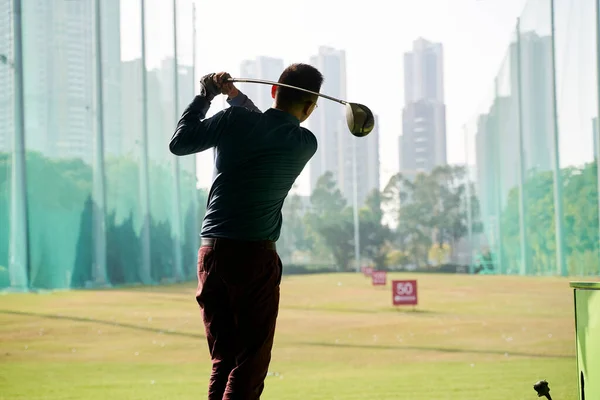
<point x="214" y="84"/>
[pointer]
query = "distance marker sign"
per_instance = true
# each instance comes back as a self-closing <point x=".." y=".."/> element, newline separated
<point x="379" y="278"/>
<point x="404" y="293"/>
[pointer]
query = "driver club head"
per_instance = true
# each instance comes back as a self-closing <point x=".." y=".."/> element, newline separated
<point x="360" y="119"/>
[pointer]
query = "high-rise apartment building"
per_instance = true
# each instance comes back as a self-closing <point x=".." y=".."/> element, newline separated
<point x="327" y="122"/>
<point x="536" y="94"/>
<point x="266" y="68"/>
<point x="58" y="52"/>
<point x="6" y="77"/>
<point x="111" y="77"/>
<point x="336" y="144"/>
<point x="422" y="145"/>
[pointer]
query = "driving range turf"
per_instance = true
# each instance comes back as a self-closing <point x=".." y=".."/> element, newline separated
<point x="338" y="337"/>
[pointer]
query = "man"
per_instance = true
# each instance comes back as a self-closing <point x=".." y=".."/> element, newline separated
<point x="258" y="158"/>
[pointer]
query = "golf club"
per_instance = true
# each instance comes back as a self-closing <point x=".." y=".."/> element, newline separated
<point x="359" y="118"/>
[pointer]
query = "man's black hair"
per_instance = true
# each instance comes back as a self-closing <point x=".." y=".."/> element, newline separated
<point x="300" y="75"/>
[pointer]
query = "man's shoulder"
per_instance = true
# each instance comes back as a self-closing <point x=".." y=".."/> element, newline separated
<point x="309" y="138"/>
<point x="243" y="111"/>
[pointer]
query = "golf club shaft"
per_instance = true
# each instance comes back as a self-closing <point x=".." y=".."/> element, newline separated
<point x="243" y="80"/>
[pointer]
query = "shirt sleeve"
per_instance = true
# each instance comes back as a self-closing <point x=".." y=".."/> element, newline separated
<point x="195" y="134"/>
<point x="241" y="100"/>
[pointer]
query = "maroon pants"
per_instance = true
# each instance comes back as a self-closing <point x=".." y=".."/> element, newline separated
<point x="238" y="293"/>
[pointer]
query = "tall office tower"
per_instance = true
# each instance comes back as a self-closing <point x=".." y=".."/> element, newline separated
<point x="422" y="145"/>
<point x="6" y="77"/>
<point x="58" y="70"/>
<point x="132" y="107"/>
<point x="110" y="25"/>
<point x="328" y="121"/>
<point x="266" y="68"/>
<point x="367" y="165"/>
<point x="185" y="83"/>
<point x="536" y="87"/>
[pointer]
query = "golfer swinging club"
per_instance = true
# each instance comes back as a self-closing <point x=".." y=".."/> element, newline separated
<point x="258" y="158"/>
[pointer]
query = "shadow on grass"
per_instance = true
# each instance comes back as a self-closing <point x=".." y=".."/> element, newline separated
<point x="361" y="311"/>
<point x="434" y="349"/>
<point x="104" y="322"/>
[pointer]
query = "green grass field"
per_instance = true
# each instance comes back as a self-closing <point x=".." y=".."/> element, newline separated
<point x="471" y="337"/>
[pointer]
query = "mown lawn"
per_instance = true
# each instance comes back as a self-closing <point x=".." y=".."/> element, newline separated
<point x="471" y="337"/>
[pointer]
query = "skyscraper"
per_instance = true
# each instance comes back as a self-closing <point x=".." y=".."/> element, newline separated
<point x="58" y="52"/>
<point x="336" y="144"/>
<point x="422" y="145"/>
<point x="328" y="121"/>
<point x="266" y="68"/>
<point x="367" y="165"/>
<point x="536" y="108"/>
<point x="111" y="76"/>
<point x="6" y="77"/>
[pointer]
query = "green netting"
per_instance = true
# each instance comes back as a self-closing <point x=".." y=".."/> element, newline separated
<point x="537" y="176"/>
<point x="120" y="207"/>
<point x="87" y="220"/>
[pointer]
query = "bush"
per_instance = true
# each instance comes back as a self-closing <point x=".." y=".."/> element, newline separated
<point x="297" y="269"/>
<point x="444" y="269"/>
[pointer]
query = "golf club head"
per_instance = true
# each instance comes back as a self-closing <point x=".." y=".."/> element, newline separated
<point x="360" y="119"/>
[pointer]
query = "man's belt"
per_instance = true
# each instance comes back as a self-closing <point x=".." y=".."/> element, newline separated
<point x="214" y="242"/>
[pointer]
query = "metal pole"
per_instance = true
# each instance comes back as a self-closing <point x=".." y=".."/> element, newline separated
<point x="194" y="157"/>
<point x="18" y="264"/>
<point x="177" y="242"/>
<point x="561" y="263"/>
<point x="355" y="208"/>
<point x="99" y="276"/>
<point x="145" y="270"/>
<point x="469" y="210"/>
<point x="597" y="133"/>
<point x="522" y="210"/>
<point x="498" y="169"/>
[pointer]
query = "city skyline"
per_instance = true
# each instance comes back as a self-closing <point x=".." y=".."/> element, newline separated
<point x="374" y="61"/>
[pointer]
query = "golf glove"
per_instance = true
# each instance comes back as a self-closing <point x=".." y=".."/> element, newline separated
<point x="208" y="87"/>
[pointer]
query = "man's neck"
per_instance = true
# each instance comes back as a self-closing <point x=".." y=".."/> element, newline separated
<point x="291" y="112"/>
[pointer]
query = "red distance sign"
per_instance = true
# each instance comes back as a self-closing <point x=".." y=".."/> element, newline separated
<point x="379" y="278"/>
<point x="404" y="292"/>
<point x="367" y="271"/>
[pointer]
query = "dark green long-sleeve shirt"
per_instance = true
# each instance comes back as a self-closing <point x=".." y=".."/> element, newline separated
<point x="259" y="156"/>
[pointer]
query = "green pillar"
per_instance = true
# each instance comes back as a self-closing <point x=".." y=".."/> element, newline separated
<point x="99" y="275"/>
<point x="561" y="262"/>
<point x="145" y="270"/>
<point x="523" y="270"/>
<point x="468" y="203"/>
<point x="597" y="9"/>
<point x="587" y="333"/>
<point x="176" y="190"/>
<point x="18" y="262"/>
<point x="498" y="186"/>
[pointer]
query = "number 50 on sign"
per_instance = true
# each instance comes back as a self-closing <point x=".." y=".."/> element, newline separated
<point x="404" y="293"/>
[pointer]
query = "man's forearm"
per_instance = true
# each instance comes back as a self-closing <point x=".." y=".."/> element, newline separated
<point x="188" y="137"/>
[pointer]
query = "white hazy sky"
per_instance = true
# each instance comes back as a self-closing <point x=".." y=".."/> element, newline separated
<point x="375" y="34"/>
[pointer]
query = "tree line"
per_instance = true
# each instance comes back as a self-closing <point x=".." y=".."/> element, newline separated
<point x="427" y="214"/>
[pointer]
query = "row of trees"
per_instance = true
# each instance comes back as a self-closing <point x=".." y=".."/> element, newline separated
<point x="425" y="213"/>
<point x="60" y="209"/>
<point x="581" y="232"/>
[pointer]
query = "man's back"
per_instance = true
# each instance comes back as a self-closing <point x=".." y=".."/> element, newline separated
<point x="259" y="157"/>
